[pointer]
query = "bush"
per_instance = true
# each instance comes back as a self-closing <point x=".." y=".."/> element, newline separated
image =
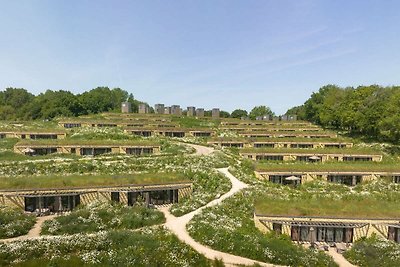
<point x="148" y="247"/>
<point x="103" y="216"/>
<point x="14" y="222"/>
<point x="374" y="251"/>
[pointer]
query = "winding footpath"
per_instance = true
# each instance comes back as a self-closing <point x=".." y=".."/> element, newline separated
<point x="177" y="225"/>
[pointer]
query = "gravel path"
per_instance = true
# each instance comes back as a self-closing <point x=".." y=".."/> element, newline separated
<point x="34" y="232"/>
<point x="177" y="225"/>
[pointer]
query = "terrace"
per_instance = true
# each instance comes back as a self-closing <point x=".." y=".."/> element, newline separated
<point x="312" y="155"/>
<point x="87" y="147"/>
<point x="280" y="134"/>
<point x="342" y="173"/>
<point x="320" y="219"/>
<point x="34" y="134"/>
<point x="65" y="193"/>
<point x="171" y="132"/>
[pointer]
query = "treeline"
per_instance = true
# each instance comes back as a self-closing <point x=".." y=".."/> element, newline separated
<point x="19" y="104"/>
<point x="371" y="111"/>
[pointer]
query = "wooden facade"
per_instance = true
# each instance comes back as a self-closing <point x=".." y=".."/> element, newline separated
<point x="33" y="135"/>
<point x="347" y="178"/>
<point x="309" y="157"/>
<point x="328" y="230"/>
<point x="56" y="200"/>
<point x="254" y="143"/>
<point x="287" y="135"/>
<point x="171" y="132"/>
<point x="86" y="150"/>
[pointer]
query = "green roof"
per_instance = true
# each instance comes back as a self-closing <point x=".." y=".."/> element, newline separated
<point x="76" y="181"/>
<point x="327" y="207"/>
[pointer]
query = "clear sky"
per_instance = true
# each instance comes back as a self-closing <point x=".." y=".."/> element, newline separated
<point x="207" y="53"/>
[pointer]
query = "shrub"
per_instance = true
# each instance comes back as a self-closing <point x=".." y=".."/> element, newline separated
<point x="374" y="251"/>
<point x="14" y="222"/>
<point x="99" y="216"/>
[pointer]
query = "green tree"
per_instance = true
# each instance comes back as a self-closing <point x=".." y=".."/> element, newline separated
<point x="224" y="114"/>
<point x="239" y="113"/>
<point x="260" y="111"/>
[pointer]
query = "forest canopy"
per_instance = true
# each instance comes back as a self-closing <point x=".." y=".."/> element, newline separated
<point x="19" y="104"/>
<point x="372" y="111"/>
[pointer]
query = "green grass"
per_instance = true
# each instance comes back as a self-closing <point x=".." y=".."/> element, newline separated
<point x="100" y="216"/>
<point x="14" y="222"/>
<point x="63" y="181"/>
<point x="8" y="143"/>
<point x="326" y="207"/>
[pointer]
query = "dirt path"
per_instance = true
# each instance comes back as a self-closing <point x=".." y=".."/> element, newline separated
<point x="34" y="232"/>
<point x="177" y="225"/>
<point x="339" y="259"/>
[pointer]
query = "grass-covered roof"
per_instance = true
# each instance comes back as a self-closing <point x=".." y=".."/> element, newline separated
<point x="328" y="207"/>
<point x="76" y="181"/>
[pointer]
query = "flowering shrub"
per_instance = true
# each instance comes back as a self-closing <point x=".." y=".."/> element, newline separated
<point x="99" y="216"/>
<point x="147" y="247"/>
<point x="14" y="222"/>
<point x="374" y="251"/>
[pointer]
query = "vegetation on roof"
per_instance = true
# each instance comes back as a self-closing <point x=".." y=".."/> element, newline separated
<point x="329" y="167"/>
<point x="327" y="207"/>
<point x="76" y="181"/>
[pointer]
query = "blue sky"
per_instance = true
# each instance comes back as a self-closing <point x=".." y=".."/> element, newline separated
<point x="206" y="53"/>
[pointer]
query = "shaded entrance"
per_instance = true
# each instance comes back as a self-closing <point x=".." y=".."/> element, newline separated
<point x="52" y="203"/>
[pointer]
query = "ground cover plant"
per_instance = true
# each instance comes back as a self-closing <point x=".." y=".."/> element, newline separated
<point x="98" y="216"/>
<point x="374" y="251"/>
<point x="14" y="222"/>
<point x="230" y="227"/>
<point x="146" y="247"/>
